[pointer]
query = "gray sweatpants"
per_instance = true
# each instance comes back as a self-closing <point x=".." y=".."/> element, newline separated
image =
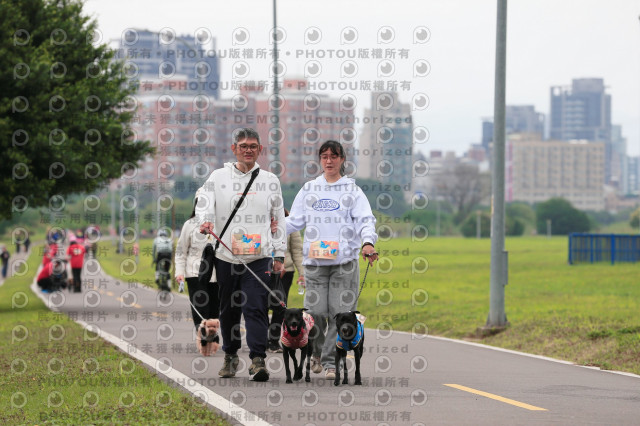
<point x="330" y="290"/>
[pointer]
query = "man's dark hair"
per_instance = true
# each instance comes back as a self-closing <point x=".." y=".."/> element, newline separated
<point x="337" y="149"/>
<point x="245" y="133"/>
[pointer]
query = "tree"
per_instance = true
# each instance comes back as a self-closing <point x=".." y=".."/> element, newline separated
<point x="564" y="217"/>
<point x="634" y="218"/>
<point x="464" y="187"/>
<point x="64" y="106"/>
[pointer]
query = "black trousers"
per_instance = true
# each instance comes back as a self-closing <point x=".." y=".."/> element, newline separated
<point x="278" y="311"/>
<point x="77" y="281"/>
<point x="242" y="295"/>
<point x="205" y="299"/>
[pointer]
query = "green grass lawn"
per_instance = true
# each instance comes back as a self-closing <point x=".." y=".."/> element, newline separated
<point x="588" y="314"/>
<point x="60" y="374"/>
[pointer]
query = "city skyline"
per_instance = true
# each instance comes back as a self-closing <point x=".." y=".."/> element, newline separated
<point x="595" y="40"/>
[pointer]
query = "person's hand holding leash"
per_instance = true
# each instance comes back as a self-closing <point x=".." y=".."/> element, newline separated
<point x="206" y="228"/>
<point x="369" y="253"/>
<point x="278" y="267"/>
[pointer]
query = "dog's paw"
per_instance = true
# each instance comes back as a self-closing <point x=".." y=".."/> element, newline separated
<point x="297" y="376"/>
<point x="289" y="380"/>
<point x="307" y="379"/>
<point x="358" y="382"/>
<point x="336" y="383"/>
<point x="345" y="381"/>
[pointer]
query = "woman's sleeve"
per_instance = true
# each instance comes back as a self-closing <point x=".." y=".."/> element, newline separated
<point x="182" y="250"/>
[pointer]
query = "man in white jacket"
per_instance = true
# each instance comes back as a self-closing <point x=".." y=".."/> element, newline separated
<point x="339" y="224"/>
<point x="249" y="237"/>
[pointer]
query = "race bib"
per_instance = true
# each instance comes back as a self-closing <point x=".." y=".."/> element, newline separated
<point x="323" y="250"/>
<point x="245" y="244"/>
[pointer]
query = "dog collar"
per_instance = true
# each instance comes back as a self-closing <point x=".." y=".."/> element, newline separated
<point x="349" y="345"/>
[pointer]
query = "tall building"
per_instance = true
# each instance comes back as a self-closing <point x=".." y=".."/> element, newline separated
<point x="581" y="111"/>
<point x="537" y="170"/>
<point x="152" y="55"/>
<point x="518" y="119"/>
<point x="385" y="150"/>
<point x="618" y="155"/>
<point x="305" y="121"/>
<point x="179" y="124"/>
<point x="632" y="176"/>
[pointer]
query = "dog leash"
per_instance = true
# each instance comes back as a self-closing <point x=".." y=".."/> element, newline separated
<point x="275" y="296"/>
<point x="181" y="290"/>
<point x="363" y="280"/>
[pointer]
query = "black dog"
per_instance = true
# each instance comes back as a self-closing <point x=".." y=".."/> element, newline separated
<point x="350" y="338"/>
<point x="297" y="333"/>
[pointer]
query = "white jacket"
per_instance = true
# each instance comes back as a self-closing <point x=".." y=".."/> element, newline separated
<point x="250" y="230"/>
<point x="337" y="219"/>
<point x="189" y="250"/>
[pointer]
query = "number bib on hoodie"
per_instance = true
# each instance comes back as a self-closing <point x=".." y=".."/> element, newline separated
<point x="245" y="244"/>
<point x="324" y="250"/>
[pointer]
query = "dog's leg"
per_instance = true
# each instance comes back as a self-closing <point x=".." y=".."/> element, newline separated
<point x="357" y="354"/>
<point x="285" y="356"/>
<point x="345" y="381"/>
<point x="298" y="368"/>
<point x="336" y="381"/>
<point x="307" y="377"/>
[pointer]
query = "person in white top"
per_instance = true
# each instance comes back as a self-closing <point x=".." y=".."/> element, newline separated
<point x="250" y="238"/>
<point x="339" y="225"/>
<point x="204" y="299"/>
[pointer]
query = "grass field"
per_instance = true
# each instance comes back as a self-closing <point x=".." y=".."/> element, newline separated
<point x="53" y="372"/>
<point x="588" y="314"/>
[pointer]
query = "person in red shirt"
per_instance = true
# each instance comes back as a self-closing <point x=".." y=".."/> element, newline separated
<point x="75" y="254"/>
<point x="44" y="277"/>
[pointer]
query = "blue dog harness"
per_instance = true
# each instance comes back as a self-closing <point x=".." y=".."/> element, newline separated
<point x="349" y="345"/>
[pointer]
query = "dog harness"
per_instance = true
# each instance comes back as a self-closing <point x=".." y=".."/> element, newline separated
<point x="349" y="345"/>
<point x="301" y="340"/>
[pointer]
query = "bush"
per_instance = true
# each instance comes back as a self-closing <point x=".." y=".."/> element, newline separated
<point x="565" y="218"/>
<point x="469" y="226"/>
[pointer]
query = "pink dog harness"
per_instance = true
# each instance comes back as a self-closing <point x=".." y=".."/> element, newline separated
<point x="301" y="340"/>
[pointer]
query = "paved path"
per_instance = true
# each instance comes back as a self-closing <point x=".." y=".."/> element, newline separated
<point x="408" y="379"/>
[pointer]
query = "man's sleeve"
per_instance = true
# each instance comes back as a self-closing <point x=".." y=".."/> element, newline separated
<point x="205" y="209"/>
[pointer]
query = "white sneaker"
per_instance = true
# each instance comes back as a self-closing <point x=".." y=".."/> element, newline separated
<point x="330" y="374"/>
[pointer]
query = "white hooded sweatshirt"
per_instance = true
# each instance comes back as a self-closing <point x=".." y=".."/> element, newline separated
<point x="249" y="233"/>
<point x="337" y="219"/>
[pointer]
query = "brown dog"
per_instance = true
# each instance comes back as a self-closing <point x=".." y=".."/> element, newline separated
<point x="208" y="340"/>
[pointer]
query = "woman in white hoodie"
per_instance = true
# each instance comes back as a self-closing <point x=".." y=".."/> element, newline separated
<point x="339" y="224"/>
<point x="203" y="298"/>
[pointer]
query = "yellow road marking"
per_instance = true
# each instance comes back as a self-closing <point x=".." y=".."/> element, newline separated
<point x="497" y="397"/>
<point x="109" y="293"/>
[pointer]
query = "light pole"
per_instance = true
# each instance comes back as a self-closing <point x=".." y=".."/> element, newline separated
<point x="276" y="89"/>
<point x="497" y="318"/>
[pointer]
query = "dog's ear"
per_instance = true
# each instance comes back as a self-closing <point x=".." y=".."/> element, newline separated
<point x="336" y="316"/>
<point x="355" y="312"/>
<point x="304" y="309"/>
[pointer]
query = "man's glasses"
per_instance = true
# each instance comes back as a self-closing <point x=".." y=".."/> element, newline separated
<point x="245" y="147"/>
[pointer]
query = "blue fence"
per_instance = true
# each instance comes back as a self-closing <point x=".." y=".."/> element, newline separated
<point x="589" y="248"/>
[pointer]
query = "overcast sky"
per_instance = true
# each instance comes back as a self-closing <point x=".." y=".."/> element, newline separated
<point x="548" y="43"/>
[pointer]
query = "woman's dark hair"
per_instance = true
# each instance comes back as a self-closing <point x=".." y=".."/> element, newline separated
<point x="337" y="149"/>
<point x="193" y="213"/>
